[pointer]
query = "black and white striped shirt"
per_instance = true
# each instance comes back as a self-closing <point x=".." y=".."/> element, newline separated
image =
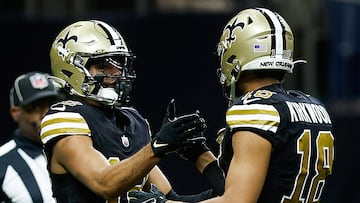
<point x="23" y="174"/>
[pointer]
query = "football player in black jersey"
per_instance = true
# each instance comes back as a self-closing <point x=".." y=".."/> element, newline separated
<point x="278" y="144"/>
<point x="98" y="146"/>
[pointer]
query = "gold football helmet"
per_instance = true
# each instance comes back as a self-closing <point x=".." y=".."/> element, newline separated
<point x="88" y="42"/>
<point x="254" y="39"/>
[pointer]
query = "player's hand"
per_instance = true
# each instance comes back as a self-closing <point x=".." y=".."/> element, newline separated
<point x="177" y="132"/>
<point x="192" y="152"/>
<point x="153" y="196"/>
<point x="170" y="111"/>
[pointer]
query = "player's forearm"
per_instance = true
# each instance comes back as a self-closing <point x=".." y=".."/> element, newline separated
<point x="209" y="168"/>
<point x="203" y="160"/>
<point x="122" y="176"/>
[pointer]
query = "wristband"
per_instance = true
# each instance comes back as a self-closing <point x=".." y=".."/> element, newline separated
<point x="215" y="177"/>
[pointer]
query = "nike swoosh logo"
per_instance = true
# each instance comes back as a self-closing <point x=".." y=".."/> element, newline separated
<point x="246" y="101"/>
<point x="152" y="200"/>
<point x="58" y="108"/>
<point x="157" y="145"/>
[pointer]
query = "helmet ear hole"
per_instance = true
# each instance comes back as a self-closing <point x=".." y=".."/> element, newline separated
<point x="250" y="20"/>
<point x="67" y="73"/>
<point x="231" y="59"/>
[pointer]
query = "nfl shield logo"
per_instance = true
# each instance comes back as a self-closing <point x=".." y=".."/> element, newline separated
<point x="125" y="141"/>
<point x="39" y="81"/>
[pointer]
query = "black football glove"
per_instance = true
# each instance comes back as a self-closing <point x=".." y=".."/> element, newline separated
<point x="177" y="132"/>
<point x="153" y="196"/>
<point x="192" y="152"/>
<point x="170" y="111"/>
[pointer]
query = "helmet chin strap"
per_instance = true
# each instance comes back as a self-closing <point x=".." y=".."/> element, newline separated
<point x="108" y="94"/>
<point x="125" y="87"/>
<point x="120" y="95"/>
<point x="232" y="90"/>
<point x="234" y="78"/>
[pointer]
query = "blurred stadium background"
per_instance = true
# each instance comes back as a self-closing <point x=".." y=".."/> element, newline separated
<point x="174" y="42"/>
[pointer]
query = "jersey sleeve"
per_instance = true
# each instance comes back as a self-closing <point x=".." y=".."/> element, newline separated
<point x="63" y="123"/>
<point x="260" y="118"/>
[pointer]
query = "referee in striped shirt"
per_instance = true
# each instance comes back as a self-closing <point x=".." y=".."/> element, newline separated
<point x="23" y="174"/>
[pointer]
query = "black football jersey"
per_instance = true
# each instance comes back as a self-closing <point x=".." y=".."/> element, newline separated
<point x="300" y="130"/>
<point x="116" y="133"/>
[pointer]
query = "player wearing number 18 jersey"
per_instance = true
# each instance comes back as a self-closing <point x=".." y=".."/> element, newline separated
<point x="300" y="132"/>
<point x="278" y="145"/>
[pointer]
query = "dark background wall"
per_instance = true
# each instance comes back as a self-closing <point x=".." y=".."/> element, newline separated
<point x="174" y="48"/>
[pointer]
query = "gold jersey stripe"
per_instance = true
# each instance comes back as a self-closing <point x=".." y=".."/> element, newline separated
<point x="256" y="107"/>
<point x="62" y="120"/>
<point x="259" y="124"/>
<point x="253" y="122"/>
<point x="65" y="131"/>
<point x="252" y="111"/>
<point x="260" y="116"/>
<point x="63" y="123"/>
